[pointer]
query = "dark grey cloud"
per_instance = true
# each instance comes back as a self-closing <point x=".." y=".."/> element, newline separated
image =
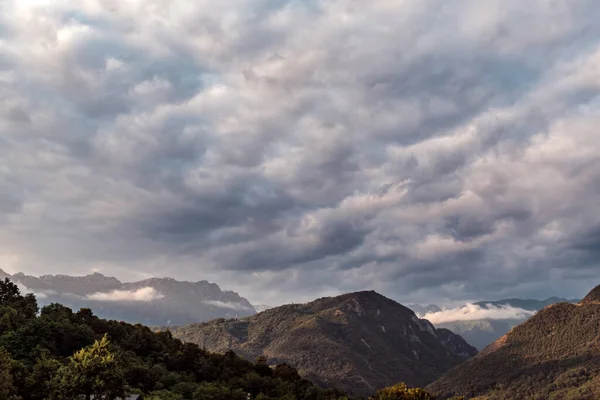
<point x="429" y="150"/>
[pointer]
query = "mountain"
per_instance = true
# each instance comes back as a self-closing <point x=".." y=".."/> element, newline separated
<point x="553" y="355"/>
<point x="592" y="297"/>
<point x="480" y="332"/>
<point x="358" y="342"/>
<point x="154" y="301"/>
<point x="422" y="310"/>
<point x="526" y="304"/>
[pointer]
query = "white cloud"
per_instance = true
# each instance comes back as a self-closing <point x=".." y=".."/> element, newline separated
<point x="145" y="294"/>
<point x="40" y="294"/>
<point x="472" y="312"/>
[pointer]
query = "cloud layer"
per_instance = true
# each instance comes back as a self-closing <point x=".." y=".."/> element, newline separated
<point x="144" y="294"/>
<point x="227" y="304"/>
<point x="472" y="312"/>
<point x="39" y="294"/>
<point x="426" y="149"/>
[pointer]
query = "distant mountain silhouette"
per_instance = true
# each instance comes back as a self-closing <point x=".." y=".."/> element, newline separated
<point x="154" y="301"/>
<point x="422" y="310"/>
<point x="553" y="355"/>
<point x="527" y="304"/>
<point x="358" y="342"/>
<point x="480" y="333"/>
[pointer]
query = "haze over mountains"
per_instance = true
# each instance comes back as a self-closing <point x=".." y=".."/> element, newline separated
<point x="481" y="323"/>
<point x="154" y="301"/>
<point x="358" y="342"/>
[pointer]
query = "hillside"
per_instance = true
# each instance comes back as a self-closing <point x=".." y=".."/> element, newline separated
<point x="358" y="342"/>
<point x="553" y="355"/>
<point x="592" y="296"/>
<point x="60" y="354"/>
<point x="154" y="301"/>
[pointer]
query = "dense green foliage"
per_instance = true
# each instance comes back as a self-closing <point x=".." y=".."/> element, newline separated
<point x="7" y="390"/>
<point x="55" y="353"/>
<point x="402" y="392"/>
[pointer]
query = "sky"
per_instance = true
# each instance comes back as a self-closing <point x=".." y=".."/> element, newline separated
<point x="430" y="150"/>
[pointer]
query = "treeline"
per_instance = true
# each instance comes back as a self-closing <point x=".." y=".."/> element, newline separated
<point x="54" y="353"/>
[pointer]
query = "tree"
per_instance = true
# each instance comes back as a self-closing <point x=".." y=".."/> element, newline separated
<point x="57" y="312"/>
<point x="94" y="370"/>
<point x="216" y="391"/>
<point x="286" y="373"/>
<point x="7" y="390"/>
<point x="261" y="366"/>
<point x="9" y="292"/>
<point x="44" y="370"/>
<point x="402" y="392"/>
<point x="10" y="296"/>
<point x="8" y="319"/>
<point x="85" y="316"/>
<point x="163" y="395"/>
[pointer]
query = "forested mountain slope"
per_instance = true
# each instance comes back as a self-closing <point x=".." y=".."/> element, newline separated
<point x="359" y="342"/>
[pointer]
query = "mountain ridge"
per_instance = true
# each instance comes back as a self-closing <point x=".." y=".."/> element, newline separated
<point x="152" y="301"/>
<point x="358" y="342"/>
<point x="528" y="304"/>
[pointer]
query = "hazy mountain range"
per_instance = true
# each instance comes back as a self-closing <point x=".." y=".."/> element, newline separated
<point x="358" y="342"/>
<point x="154" y="301"/>
<point x="168" y="302"/>
<point x="481" y="323"/>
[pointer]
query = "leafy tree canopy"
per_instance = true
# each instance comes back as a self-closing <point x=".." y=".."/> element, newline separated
<point x="402" y="392"/>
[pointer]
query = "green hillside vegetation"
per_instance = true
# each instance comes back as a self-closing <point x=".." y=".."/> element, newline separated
<point x="554" y="355"/>
<point x="55" y="353"/>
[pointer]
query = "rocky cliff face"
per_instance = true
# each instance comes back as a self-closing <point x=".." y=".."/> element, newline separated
<point x="358" y="342"/>
<point x="155" y="301"/>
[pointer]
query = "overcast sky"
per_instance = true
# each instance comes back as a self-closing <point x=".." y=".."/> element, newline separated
<point x="431" y="150"/>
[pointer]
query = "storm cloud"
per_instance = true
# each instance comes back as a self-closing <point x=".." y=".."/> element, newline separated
<point x="429" y="150"/>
